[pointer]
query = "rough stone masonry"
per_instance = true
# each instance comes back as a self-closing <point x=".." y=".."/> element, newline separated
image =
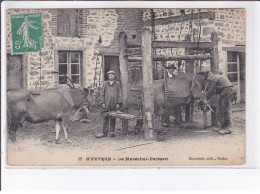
<point x="108" y="23"/>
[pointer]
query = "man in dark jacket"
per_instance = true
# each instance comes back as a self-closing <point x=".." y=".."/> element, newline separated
<point x="111" y="99"/>
<point x="220" y="85"/>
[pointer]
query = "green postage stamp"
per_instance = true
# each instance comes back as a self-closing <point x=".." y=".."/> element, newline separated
<point x="27" y="33"/>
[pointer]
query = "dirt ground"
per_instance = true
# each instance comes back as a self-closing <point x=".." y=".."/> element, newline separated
<point x="184" y="144"/>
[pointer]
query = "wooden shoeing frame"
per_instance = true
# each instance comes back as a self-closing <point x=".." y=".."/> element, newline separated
<point x="131" y="53"/>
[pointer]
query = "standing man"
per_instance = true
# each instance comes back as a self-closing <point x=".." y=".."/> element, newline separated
<point x="111" y="99"/>
<point x="219" y="84"/>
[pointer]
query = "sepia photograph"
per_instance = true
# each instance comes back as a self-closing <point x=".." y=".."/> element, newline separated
<point x="125" y="87"/>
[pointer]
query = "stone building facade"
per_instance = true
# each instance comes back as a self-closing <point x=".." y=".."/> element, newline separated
<point x="86" y="41"/>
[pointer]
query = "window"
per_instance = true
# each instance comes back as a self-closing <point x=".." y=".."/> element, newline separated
<point x="67" y="23"/>
<point x="70" y="64"/>
<point x="232" y="65"/>
<point x="236" y="66"/>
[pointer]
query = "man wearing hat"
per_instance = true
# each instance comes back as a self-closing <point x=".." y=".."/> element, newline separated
<point x="221" y="86"/>
<point x="111" y="99"/>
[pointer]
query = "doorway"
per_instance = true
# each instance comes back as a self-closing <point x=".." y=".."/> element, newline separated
<point x="112" y="63"/>
<point x="14" y="72"/>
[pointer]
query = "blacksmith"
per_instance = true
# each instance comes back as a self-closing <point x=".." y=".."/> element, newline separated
<point x="220" y="85"/>
<point x="111" y="99"/>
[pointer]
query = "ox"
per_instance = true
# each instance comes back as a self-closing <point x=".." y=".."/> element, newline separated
<point x="41" y="106"/>
<point x="184" y="89"/>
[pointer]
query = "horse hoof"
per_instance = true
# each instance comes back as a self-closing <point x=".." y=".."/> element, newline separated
<point x="57" y="141"/>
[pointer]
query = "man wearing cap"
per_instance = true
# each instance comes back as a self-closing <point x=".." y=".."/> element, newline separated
<point x="111" y="99"/>
<point x="220" y="85"/>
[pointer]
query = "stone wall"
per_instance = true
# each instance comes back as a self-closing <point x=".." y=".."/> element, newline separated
<point x="229" y="25"/>
<point x="107" y="24"/>
<point x="93" y="24"/>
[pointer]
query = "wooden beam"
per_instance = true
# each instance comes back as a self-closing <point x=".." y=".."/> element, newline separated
<point x="189" y="69"/>
<point x="205" y="119"/>
<point x="124" y="72"/>
<point x="200" y="51"/>
<point x="133" y="51"/>
<point x="135" y="61"/>
<point x="135" y="58"/>
<point x="148" y="83"/>
<point x="133" y="46"/>
<point x="235" y="49"/>
<point x="174" y="44"/>
<point x="121" y="115"/>
<point x="181" y="18"/>
<point x="181" y="57"/>
<point x="214" y="62"/>
<point x="214" y="68"/>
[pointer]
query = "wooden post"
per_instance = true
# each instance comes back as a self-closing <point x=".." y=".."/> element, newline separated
<point x="205" y="119"/>
<point x="148" y="84"/>
<point x="214" y="120"/>
<point x="214" y="63"/>
<point x="190" y="70"/>
<point x="123" y="60"/>
<point x="214" y="67"/>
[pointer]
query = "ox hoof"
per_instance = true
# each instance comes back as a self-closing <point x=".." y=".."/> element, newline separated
<point x="57" y="141"/>
<point x="68" y="141"/>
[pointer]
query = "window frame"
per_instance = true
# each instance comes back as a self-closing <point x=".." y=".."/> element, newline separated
<point x="237" y="72"/>
<point x="81" y="52"/>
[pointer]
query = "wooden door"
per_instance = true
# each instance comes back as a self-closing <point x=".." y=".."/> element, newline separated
<point x="112" y="63"/>
<point x="14" y="72"/>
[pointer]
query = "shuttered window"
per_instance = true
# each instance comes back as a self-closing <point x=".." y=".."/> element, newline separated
<point x="67" y="23"/>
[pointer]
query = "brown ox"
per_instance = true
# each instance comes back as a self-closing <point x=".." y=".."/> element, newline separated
<point x="41" y="106"/>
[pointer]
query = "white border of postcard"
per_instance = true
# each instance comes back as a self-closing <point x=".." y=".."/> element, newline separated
<point x="94" y="178"/>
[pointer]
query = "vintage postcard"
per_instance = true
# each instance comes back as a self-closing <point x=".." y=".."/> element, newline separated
<point x="125" y="87"/>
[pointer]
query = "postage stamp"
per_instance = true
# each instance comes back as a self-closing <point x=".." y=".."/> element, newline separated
<point x="27" y="33"/>
<point x="126" y="87"/>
